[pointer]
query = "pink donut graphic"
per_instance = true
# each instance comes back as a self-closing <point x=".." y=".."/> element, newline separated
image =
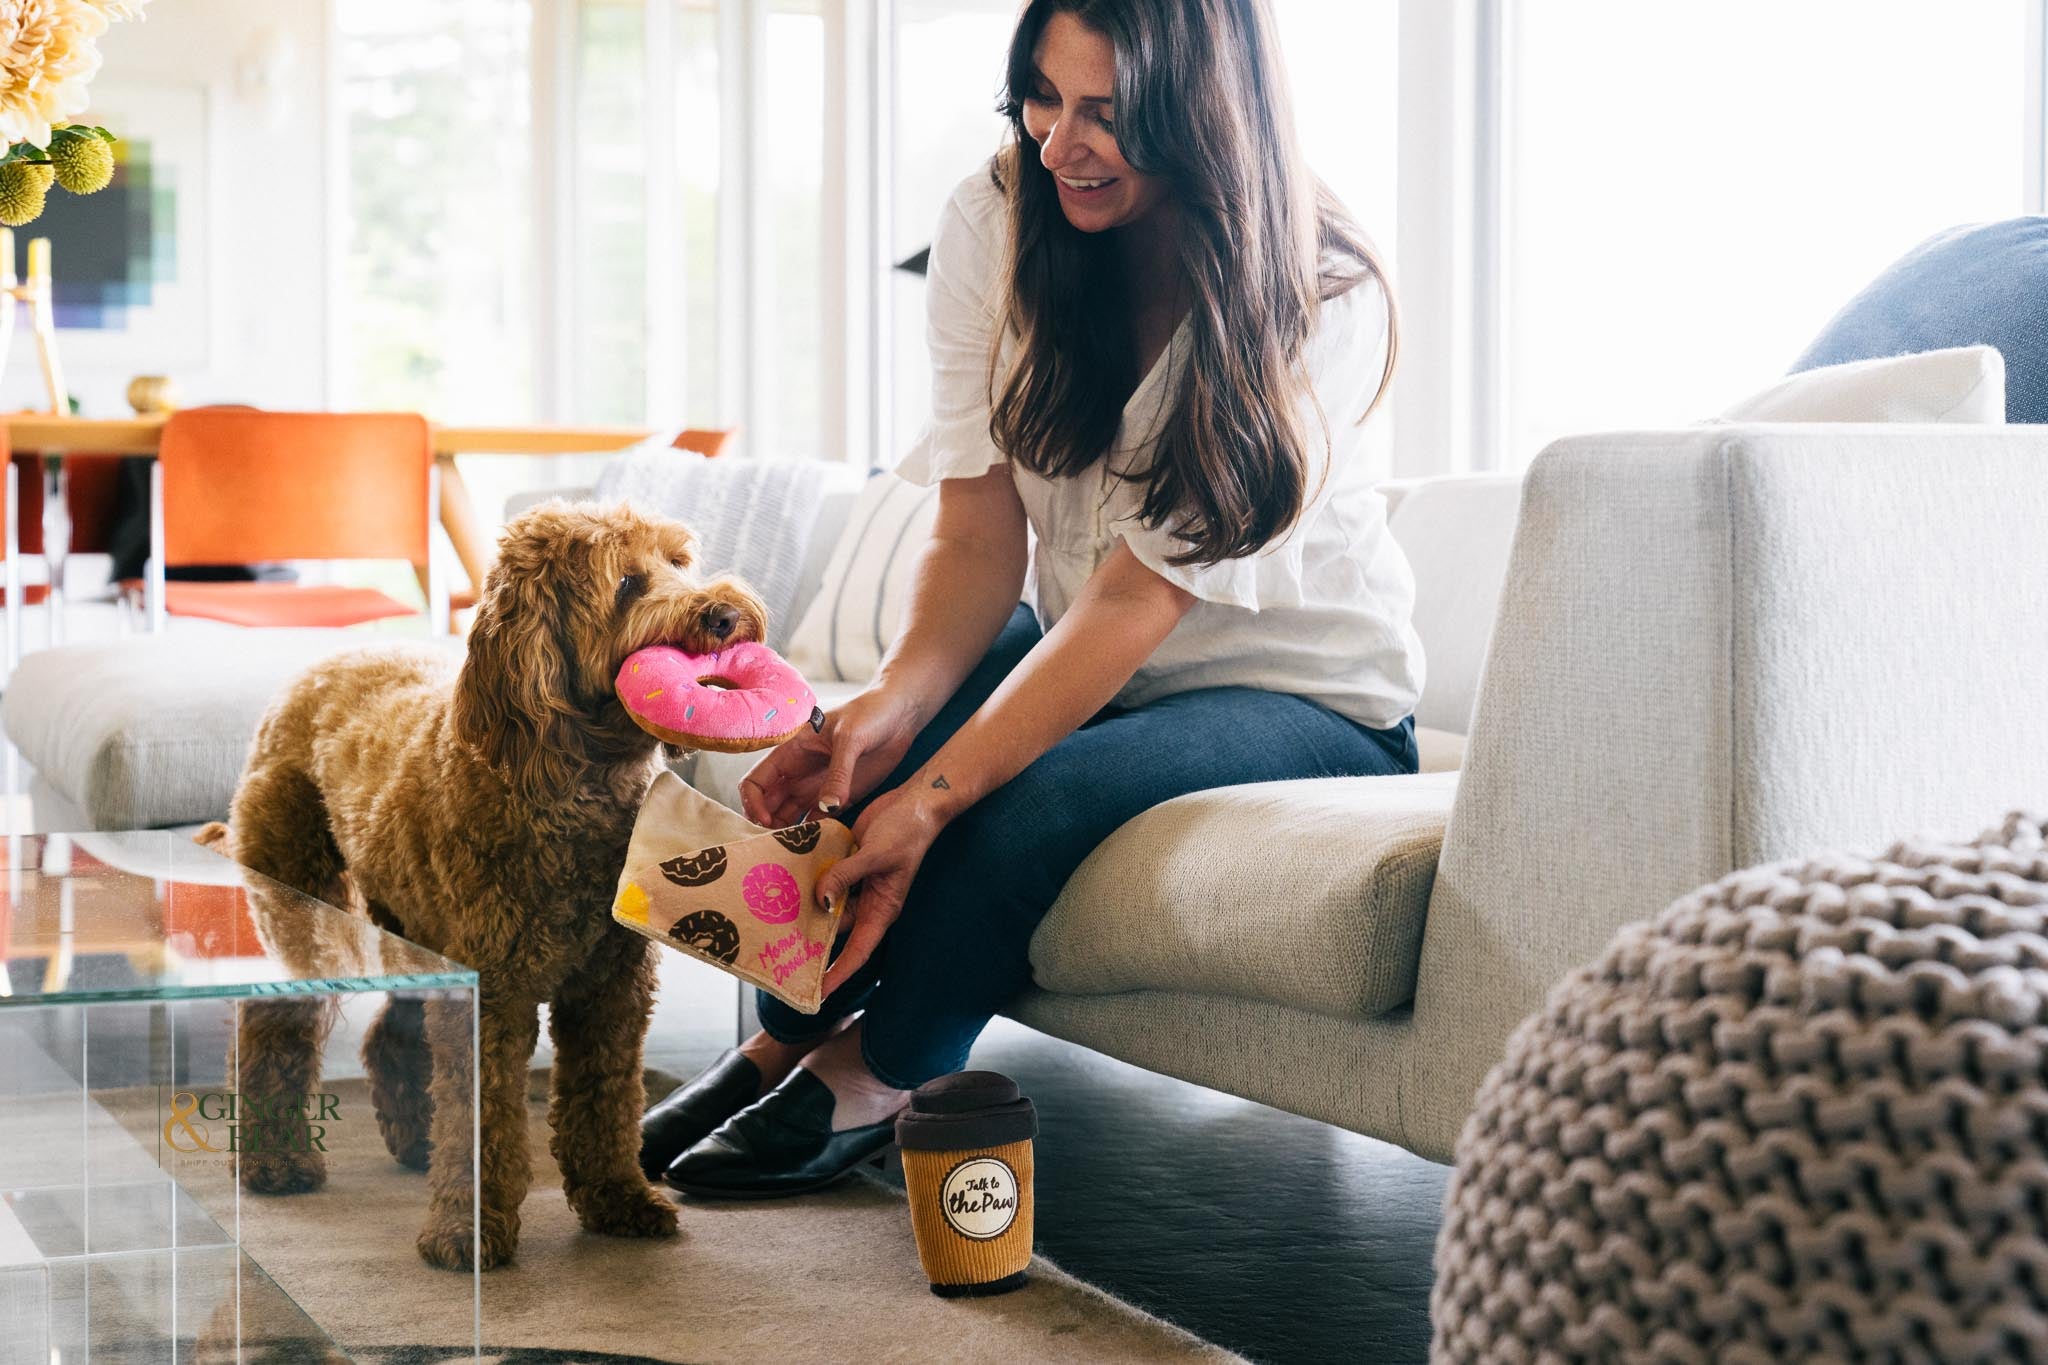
<point x="771" y="893"/>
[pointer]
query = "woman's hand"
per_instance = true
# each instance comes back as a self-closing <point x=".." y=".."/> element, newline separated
<point x="893" y="835"/>
<point x="859" y="745"/>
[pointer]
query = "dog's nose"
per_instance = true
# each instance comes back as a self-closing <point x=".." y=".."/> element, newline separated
<point x="721" y="621"/>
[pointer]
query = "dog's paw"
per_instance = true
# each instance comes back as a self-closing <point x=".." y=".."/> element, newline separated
<point x="407" y="1142"/>
<point x="447" y="1245"/>
<point x="283" y="1172"/>
<point x="625" y="1209"/>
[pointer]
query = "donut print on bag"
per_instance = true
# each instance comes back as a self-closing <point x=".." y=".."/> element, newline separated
<point x="709" y="933"/>
<point x="799" y="838"/>
<point x="703" y="880"/>
<point x="771" y="893"/>
<point x="698" y="869"/>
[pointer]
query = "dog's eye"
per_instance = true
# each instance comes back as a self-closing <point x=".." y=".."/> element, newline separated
<point x="679" y="561"/>
<point x="631" y="586"/>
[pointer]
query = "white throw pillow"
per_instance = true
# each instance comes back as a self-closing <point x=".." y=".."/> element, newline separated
<point x="1962" y="384"/>
<point x="858" y="607"/>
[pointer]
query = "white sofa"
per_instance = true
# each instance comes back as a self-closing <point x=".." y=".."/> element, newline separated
<point x="1714" y="647"/>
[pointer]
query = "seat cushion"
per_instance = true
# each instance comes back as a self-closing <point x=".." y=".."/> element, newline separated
<point x="282" y="604"/>
<point x="1306" y="893"/>
<point x="151" y="730"/>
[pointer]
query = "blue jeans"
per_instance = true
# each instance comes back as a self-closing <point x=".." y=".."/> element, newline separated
<point x="959" y="950"/>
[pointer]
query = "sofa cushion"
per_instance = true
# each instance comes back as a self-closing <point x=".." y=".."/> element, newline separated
<point x="866" y="585"/>
<point x="1307" y="893"/>
<point x="1977" y="285"/>
<point x="1960" y="384"/>
<point x="1456" y="533"/>
<point x="151" y="730"/>
<point x="1439" y="751"/>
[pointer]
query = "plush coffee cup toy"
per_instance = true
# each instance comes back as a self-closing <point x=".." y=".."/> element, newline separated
<point x="966" y="1141"/>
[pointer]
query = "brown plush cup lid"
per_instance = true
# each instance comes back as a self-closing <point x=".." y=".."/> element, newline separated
<point x="966" y="1110"/>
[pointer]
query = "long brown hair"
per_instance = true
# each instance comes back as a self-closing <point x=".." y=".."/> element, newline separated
<point x="1202" y="102"/>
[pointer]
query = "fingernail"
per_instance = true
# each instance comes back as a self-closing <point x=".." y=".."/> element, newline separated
<point x="826" y="901"/>
<point x="827" y="806"/>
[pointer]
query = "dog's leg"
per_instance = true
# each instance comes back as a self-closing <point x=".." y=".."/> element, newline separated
<point x="506" y="1029"/>
<point x="598" y="1021"/>
<point x="401" y="1069"/>
<point x="280" y="1146"/>
<point x="281" y="832"/>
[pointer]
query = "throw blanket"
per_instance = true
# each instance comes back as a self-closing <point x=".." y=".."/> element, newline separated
<point x="752" y="519"/>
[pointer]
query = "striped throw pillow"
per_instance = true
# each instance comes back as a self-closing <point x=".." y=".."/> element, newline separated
<point x="859" y="606"/>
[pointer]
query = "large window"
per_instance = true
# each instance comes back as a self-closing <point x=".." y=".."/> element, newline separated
<point x="1696" y="188"/>
<point x="1618" y="213"/>
<point x="437" y="280"/>
<point x="790" y="359"/>
<point x="949" y="71"/>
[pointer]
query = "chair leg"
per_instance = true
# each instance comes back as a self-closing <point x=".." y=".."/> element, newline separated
<point x="439" y="619"/>
<point x="15" y="606"/>
<point x="153" y="571"/>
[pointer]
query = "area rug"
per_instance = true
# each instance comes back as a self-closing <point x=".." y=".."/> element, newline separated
<point x="831" y="1276"/>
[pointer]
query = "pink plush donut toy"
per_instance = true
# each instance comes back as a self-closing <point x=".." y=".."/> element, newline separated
<point x="739" y="698"/>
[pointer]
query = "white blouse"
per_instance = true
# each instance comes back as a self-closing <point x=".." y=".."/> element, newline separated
<point x="1322" y="612"/>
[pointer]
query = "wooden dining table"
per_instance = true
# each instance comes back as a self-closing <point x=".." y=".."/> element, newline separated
<point x="54" y="437"/>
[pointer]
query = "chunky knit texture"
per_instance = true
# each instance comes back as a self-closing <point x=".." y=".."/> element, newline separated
<point x="1803" y="1113"/>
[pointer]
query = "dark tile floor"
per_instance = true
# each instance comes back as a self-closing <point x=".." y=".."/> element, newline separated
<point x="1282" y="1238"/>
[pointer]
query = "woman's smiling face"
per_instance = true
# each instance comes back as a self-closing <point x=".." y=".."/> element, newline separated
<point x="1070" y="114"/>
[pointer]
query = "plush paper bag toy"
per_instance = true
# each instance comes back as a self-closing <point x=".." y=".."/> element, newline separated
<point x="714" y="884"/>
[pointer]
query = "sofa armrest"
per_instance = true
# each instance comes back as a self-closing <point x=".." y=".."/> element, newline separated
<point x="1306" y="893"/>
<point x="1721" y="647"/>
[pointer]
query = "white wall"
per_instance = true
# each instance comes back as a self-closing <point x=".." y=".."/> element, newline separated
<point x="263" y="64"/>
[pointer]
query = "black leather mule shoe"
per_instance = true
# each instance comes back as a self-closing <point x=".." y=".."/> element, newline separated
<point x="694" y="1108"/>
<point x="782" y="1145"/>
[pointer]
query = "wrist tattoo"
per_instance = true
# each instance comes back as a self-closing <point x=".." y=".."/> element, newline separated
<point x="941" y="783"/>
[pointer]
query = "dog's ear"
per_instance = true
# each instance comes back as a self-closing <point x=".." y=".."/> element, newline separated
<point x="512" y="700"/>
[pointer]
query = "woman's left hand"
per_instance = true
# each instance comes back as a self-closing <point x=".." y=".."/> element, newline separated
<point x="893" y="835"/>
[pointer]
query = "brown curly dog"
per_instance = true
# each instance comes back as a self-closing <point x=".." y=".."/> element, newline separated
<point x="484" y="816"/>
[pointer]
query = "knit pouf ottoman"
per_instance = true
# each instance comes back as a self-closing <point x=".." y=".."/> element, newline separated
<point x="1801" y="1114"/>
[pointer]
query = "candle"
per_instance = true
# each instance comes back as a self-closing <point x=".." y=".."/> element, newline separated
<point x="39" y="258"/>
<point x="6" y="255"/>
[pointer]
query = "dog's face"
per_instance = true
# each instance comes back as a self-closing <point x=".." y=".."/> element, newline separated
<point x="576" y="589"/>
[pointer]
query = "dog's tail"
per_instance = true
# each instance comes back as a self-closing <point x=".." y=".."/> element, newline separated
<point x="214" y="835"/>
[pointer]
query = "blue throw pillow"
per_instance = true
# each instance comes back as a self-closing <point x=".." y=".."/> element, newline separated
<point x="1981" y="285"/>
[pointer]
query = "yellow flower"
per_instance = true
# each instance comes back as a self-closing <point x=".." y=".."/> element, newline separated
<point x="47" y="54"/>
<point x="22" y="192"/>
<point x="119" y="9"/>
<point x="84" y="165"/>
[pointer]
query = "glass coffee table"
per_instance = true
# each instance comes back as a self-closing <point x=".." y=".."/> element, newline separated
<point x="153" y="1207"/>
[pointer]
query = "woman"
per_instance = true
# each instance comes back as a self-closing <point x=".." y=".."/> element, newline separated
<point x="1154" y="342"/>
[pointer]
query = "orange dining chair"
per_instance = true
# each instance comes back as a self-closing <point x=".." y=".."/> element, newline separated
<point x="238" y="485"/>
<point x="705" y="441"/>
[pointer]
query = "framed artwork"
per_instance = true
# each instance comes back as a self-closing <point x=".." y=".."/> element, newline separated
<point x="128" y="265"/>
